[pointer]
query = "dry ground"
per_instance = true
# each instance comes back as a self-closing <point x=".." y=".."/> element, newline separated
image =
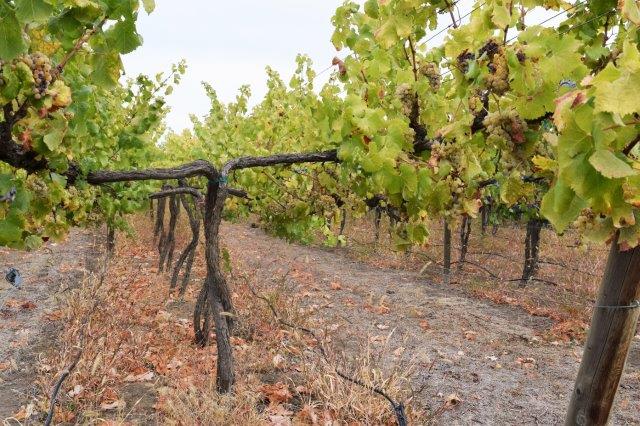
<point x="452" y="356"/>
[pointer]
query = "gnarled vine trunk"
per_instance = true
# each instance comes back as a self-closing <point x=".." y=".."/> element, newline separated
<point x="465" y="233"/>
<point x="531" y="249"/>
<point x="446" y="264"/>
<point x="158" y="229"/>
<point x="189" y="251"/>
<point x="167" y="249"/>
<point x="218" y="292"/>
<point x="485" y="213"/>
<point x="111" y="239"/>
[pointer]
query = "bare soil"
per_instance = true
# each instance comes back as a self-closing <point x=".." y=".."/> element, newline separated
<point x="491" y="356"/>
<point x="27" y="316"/>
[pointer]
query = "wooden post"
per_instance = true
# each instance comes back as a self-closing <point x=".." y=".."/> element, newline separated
<point x="613" y="327"/>
<point x="446" y="268"/>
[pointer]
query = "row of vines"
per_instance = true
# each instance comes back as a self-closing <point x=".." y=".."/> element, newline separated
<point x="505" y="117"/>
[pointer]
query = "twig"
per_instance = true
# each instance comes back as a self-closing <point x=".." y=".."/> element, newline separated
<point x="54" y="395"/>
<point x="78" y="45"/>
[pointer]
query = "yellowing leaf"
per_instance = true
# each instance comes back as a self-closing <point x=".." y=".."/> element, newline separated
<point x="609" y="165"/>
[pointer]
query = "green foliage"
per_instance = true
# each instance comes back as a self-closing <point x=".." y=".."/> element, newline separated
<point x="539" y="120"/>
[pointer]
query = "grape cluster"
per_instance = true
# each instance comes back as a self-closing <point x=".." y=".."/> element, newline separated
<point x="41" y="68"/>
<point x="455" y="184"/>
<point x="431" y="72"/>
<point x="442" y="149"/>
<point x="37" y="186"/>
<point x="463" y="60"/>
<point x="506" y="125"/>
<point x="406" y="96"/>
<point x="498" y="78"/>
<point x="479" y="103"/>
<point x="586" y="220"/>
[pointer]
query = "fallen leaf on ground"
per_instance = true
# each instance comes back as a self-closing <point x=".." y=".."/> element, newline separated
<point x="276" y="393"/>
<point x="28" y="305"/>
<point x="424" y="324"/>
<point x="77" y="390"/>
<point x="336" y="286"/>
<point x="56" y="315"/>
<point x="115" y="405"/>
<point x="143" y="377"/>
<point x="278" y="361"/>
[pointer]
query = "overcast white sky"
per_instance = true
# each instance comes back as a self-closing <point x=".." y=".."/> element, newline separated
<point x="229" y="43"/>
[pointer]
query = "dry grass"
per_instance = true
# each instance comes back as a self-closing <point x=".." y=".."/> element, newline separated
<point x="138" y="363"/>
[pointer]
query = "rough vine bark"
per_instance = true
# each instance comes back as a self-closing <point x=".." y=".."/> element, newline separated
<point x="216" y="293"/>
<point x="465" y="233"/>
<point x="485" y="212"/>
<point x="166" y="252"/>
<point x="188" y="254"/>
<point x="531" y="249"/>
<point x="158" y="229"/>
<point x="446" y="268"/>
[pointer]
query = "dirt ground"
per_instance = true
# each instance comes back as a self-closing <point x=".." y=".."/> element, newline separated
<point x="490" y="356"/>
<point x="27" y="316"/>
<point x="488" y="361"/>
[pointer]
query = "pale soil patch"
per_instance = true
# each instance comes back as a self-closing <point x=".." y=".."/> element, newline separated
<point x="28" y="325"/>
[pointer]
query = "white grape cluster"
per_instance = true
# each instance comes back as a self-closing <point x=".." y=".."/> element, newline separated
<point x="586" y="221"/>
<point x="455" y="184"/>
<point x="405" y="94"/>
<point x="41" y="68"/>
<point x="498" y="78"/>
<point x="430" y="71"/>
<point x="448" y="151"/>
<point x="507" y="126"/>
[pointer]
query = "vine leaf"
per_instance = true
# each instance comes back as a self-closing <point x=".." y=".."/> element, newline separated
<point x="33" y="10"/>
<point x="11" y="41"/>
<point x="610" y="165"/>
<point x="149" y="5"/>
<point x="561" y="206"/>
<point x="123" y="37"/>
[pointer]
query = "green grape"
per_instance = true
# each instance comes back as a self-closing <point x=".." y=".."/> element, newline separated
<point x="507" y="126"/>
<point x="405" y="94"/>
<point x="430" y="71"/>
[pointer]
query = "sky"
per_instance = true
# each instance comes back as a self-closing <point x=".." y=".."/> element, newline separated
<point x="229" y="43"/>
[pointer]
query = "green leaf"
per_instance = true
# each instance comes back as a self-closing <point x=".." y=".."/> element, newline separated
<point x="123" y="36"/>
<point x="106" y="68"/>
<point x="149" y="5"/>
<point x="630" y="11"/>
<point x="11" y="41"/>
<point x="371" y="8"/>
<point x="10" y="229"/>
<point x="561" y="206"/>
<point x="386" y="34"/>
<point x="501" y="16"/>
<point x="609" y="165"/>
<point x="612" y="88"/>
<point x="33" y="10"/>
